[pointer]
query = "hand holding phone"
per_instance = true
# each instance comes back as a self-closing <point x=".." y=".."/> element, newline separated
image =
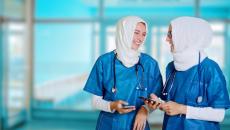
<point x="128" y="107"/>
<point x="152" y="101"/>
<point x="149" y="100"/>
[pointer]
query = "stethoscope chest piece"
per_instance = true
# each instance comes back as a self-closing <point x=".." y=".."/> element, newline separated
<point x="114" y="90"/>
<point x="199" y="99"/>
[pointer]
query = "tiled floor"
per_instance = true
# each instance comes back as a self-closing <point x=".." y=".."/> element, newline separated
<point x="72" y="125"/>
<point x="63" y="125"/>
<point x="58" y="125"/>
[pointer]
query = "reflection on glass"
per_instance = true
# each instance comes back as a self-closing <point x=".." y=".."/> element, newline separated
<point x="110" y="39"/>
<point x="14" y="8"/>
<point x="16" y="72"/>
<point x="62" y="64"/>
<point x="216" y="50"/>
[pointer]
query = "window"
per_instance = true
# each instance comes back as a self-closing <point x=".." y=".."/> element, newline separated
<point x="71" y="9"/>
<point x="63" y="55"/>
<point x="15" y="73"/>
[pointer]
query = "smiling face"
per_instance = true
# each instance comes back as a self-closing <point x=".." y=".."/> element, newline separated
<point x="169" y="38"/>
<point x="139" y="35"/>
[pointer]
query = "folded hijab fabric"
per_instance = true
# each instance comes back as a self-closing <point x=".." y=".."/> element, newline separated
<point x="124" y="37"/>
<point x="190" y="37"/>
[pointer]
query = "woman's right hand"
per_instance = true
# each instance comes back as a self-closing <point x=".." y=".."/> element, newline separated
<point x="151" y="105"/>
<point x="117" y="106"/>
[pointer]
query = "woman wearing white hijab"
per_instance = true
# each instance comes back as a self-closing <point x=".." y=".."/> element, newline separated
<point x="195" y="90"/>
<point x="119" y="77"/>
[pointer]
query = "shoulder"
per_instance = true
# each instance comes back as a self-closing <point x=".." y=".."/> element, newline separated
<point x="210" y="65"/>
<point x="210" y="68"/>
<point x="105" y="57"/>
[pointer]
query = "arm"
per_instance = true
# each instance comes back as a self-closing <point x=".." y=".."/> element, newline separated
<point x="101" y="104"/>
<point x="141" y="118"/>
<point x="205" y="113"/>
<point x="197" y="113"/>
<point x="111" y="107"/>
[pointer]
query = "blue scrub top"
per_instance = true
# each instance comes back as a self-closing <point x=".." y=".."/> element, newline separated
<point x="101" y="82"/>
<point x="186" y="90"/>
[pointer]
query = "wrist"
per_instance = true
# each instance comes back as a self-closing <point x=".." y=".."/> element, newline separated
<point x="183" y="109"/>
<point x="112" y="106"/>
<point x="144" y="110"/>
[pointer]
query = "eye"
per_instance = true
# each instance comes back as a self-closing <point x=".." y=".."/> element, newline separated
<point x="136" y="33"/>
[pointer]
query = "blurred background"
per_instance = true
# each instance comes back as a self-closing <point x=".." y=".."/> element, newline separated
<point x="48" y="48"/>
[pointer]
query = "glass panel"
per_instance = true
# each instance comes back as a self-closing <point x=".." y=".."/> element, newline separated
<point x="1" y="8"/>
<point x="1" y="71"/>
<point x="63" y="60"/>
<point x="66" y="9"/>
<point x="16" y="72"/>
<point x="157" y="9"/>
<point x="14" y="8"/>
<point x="110" y="39"/>
<point x="161" y="49"/>
<point x="216" y="51"/>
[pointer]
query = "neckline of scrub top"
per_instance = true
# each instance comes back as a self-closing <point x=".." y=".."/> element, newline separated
<point x="114" y="53"/>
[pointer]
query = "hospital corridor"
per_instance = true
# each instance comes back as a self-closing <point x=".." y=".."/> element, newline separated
<point x="49" y="47"/>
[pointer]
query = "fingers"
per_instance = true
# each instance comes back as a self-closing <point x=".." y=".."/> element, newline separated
<point x="122" y="110"/>
<point x="154" y="105"/>
<point x="153" y="96"/>
<point x="122" y="102"/>
<point x="135" y="125"/>
<point x="143" y="126"/>
<point x="168" y="108"/>
<point x="139" y="126"/>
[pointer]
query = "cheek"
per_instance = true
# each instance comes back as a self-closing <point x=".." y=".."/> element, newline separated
<point x="134" y="38"/>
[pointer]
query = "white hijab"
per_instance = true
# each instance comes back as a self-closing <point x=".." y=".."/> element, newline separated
<point x="190" y="36"/>
<point x="124" y="37"/>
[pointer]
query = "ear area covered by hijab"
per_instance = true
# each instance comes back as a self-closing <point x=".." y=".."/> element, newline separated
<point x="124" y="35"/>
<point x="190" y="36"/>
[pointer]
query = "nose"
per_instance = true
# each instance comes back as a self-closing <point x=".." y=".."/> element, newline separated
<point x="167" y="39"/>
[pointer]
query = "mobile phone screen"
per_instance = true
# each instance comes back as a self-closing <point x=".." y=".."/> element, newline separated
<point x="127" y="106"/>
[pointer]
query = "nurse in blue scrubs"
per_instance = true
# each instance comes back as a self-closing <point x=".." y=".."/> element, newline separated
<point x="119" y="77"/>
<point x="195" y="91"/>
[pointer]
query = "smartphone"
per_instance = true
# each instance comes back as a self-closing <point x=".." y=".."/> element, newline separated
<point x="146" y="99"/>
<point x="151" y="100"/>
<point x="127" y="106"/>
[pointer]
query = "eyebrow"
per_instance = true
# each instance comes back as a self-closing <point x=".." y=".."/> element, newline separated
<point x="138" y="31"/>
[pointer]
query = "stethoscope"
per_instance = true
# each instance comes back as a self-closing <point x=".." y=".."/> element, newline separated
<point x="172" y="77"/>
<point x="140" y="86"/>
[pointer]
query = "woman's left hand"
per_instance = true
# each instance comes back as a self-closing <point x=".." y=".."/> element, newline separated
<point x="140" y="120"/>
<point x="172" y="108"/>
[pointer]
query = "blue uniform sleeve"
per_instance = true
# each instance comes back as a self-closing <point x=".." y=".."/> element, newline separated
<point x="217" y="90"/>
<point x="156" y="81"/>
<point x="94" y="83"/>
